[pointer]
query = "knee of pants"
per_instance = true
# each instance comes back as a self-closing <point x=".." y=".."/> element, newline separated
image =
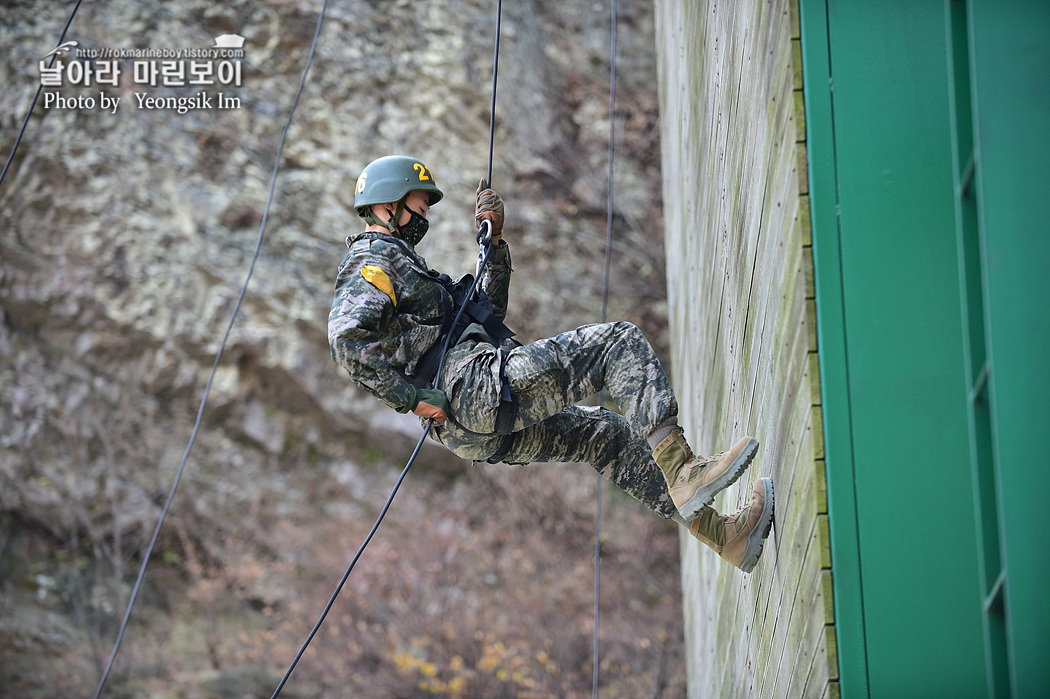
<point x="628" y="329"/>
<point x="612" y="437"/>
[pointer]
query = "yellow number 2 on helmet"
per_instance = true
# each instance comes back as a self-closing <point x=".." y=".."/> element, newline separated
<point x="424" y="176"/>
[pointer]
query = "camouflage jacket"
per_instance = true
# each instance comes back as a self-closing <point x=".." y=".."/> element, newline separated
<point x="387" y="312"/>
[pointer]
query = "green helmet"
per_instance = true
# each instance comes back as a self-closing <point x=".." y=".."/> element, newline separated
<point x="391" y="178"/>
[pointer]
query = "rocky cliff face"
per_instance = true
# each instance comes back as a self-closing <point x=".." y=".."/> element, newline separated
<point x="125" y="235"/>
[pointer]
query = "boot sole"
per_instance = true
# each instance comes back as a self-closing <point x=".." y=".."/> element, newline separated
<point x="757" y="538"/>
<point x="705" y="494"/>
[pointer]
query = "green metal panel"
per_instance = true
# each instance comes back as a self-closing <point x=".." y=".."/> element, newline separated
<point x="891" y="346"/>
<point x="1010" y="64"/>
<point x="972" y="295"/>
<point x="831" y="338"/>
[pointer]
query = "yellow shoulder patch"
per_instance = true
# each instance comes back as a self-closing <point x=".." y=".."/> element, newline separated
<point x="377" y="278"/>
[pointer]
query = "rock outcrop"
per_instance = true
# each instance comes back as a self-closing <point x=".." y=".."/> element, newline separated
<point x="125" y="237"/>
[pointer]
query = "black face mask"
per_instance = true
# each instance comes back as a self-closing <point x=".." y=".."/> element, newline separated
<point x="413" y="231"/>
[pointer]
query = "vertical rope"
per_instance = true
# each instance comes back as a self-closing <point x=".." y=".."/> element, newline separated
<point x="495" y="75"/>
<point x="605" y="313"/>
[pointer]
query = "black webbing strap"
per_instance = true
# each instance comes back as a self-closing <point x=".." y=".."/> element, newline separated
<point x="508" y="402"/>
<point x="504" y="448"/>
<point x="480" y="313"/>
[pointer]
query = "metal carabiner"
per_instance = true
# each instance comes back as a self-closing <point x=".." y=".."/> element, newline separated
<point x="484" y="236"/>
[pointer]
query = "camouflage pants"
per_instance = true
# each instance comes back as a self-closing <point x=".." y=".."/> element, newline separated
<point x="548" y="377"/>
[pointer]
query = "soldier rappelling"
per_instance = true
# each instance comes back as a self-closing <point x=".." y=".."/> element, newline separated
<point x="493" y="399"/>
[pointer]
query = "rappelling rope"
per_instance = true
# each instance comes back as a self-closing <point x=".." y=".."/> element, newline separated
<point x="605" y="313"/>
<point x="218" y="356"/>
<point x="495" y="76"/>
<point x="484" y="238"/>
<point x="32" y="105"/>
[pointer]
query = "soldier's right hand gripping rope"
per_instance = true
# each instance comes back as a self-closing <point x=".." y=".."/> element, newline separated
<point x="489" y="207"/>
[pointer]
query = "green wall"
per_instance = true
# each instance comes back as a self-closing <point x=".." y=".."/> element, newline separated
<point x="911" y="468"/>
<point x="903" y="533"/>
<point x="1008" y="43"/>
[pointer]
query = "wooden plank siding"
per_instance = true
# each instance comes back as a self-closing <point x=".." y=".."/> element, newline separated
<point x="744" y="354"/>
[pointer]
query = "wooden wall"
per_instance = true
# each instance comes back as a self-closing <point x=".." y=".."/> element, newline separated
<point x="740" y="288"/>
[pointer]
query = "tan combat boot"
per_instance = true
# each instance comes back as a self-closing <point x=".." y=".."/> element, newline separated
<point x="738" y="538"/>
<point x="693" y="481"/>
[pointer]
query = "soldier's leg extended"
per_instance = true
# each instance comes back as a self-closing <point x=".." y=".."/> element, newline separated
<point x="642" y="452"/>
<point x="548" y="375"/>
<point x="604" y="439"/>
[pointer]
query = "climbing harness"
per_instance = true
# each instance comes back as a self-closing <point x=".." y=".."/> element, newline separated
<point x="460" y="311"/>
<point x="453" y="299"/>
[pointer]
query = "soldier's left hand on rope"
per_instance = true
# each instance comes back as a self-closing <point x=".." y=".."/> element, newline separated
<point x="425" y="410"/>
<point x="432" y="404"/>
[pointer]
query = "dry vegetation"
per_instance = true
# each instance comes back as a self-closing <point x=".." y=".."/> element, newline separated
<point x="476" y="585"/>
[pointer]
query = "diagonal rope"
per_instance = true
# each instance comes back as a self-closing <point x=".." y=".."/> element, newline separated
<point x="39" y="89"/>
<point x="605" y="313"/>
<point x="218" y="357"/>
<point x="357" y="556"/>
